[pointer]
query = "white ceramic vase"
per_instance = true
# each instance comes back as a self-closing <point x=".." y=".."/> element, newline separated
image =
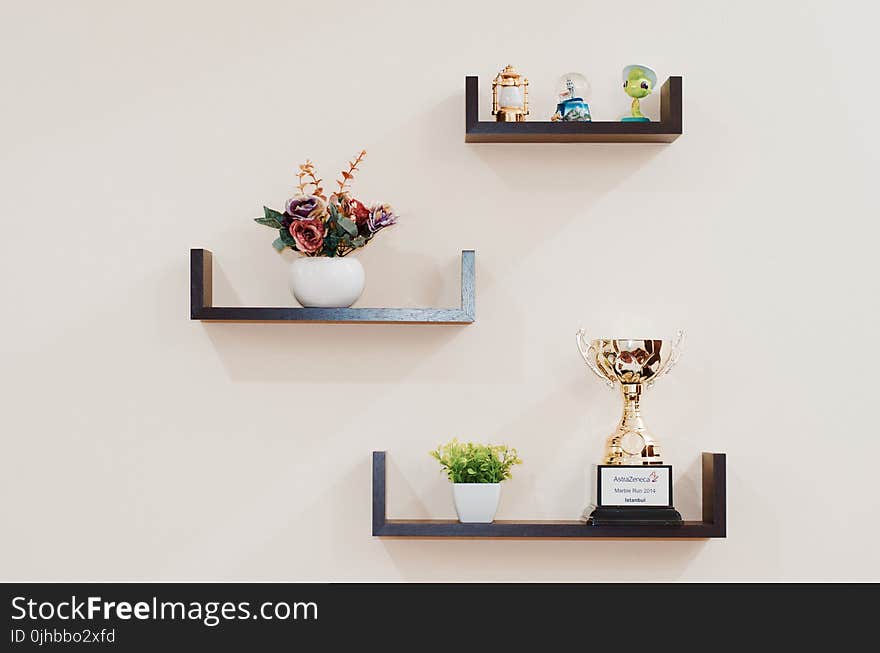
<point x="324" y="282"/>
<point x="476" y="503"/>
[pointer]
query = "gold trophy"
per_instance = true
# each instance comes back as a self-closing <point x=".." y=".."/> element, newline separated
<point x="634" y="364"/>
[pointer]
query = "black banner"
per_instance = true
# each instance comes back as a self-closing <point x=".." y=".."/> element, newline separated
<point x="257" y="616"/>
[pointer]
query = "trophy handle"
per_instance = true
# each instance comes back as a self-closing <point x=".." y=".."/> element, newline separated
<point x="677" y="344"/>
<point x="584" y="345"/>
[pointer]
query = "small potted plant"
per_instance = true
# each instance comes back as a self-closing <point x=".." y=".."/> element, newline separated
<point x="325" y="230"/>
<point x="476" y="472"/>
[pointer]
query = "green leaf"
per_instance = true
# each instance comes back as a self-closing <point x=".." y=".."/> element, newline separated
<point x="331" y="209"/>
<point x="269" y="222"/>
<point x="271" y="218"/>
<point x="360" y="241"/>
<point x="278" y="244"/>
<point x="476" y="463"/>
<point x="272" y="213"/>
<point x="348" y="225"/>
<point x="287" y="238"/>
<point x="331" y="242"/>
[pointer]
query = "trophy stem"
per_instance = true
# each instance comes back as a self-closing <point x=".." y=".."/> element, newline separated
<point x="632" y="393"/>
<point x="631" y="444"/>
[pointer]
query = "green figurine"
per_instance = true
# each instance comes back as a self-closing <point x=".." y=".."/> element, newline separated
<point x="638" y="82"/>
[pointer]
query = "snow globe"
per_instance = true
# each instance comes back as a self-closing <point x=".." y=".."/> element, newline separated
<point x="572" y="91"/>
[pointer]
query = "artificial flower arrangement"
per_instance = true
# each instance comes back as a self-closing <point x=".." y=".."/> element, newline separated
<point x="476" y="472"/>
<point x="476" y="463"/>
<point x="315" y="225"/>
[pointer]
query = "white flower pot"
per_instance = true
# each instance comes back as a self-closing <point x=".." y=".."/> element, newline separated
<point x="323" y="282"/>
<point x="476" y="503"/>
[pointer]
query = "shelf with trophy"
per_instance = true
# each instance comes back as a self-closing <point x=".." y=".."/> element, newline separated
<point x="632" y="487"/>
<point x="572" y="122"/>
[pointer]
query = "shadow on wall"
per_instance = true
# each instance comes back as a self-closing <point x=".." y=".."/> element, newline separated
<point x="522" y="167"/>
<point x="550" y="560"/>
<point x="264" y="352"/>
<point x="513" y="181"/>
<point x="555" y="560"/>
<point x="688" y="489"/>
<point x="337" y="522"/>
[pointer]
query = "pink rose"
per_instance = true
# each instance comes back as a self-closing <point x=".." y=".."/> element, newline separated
<point x="308" y="234"/>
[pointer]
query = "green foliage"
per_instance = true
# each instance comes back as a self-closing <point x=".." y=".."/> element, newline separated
<point x="331" y="240"/>
<point x="271" y="218"/>
<point x="340" y="231"/>
<point x="476" y="463"/>
<point x="287" y="238"/>
<point x="268" y="222"/>
<point x="348" y="225"/>
<point x="272" y="213"/>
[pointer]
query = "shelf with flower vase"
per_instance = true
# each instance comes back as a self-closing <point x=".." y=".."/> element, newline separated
<point x="712" y="525"/>
<point x="533" y="131"/>
<point x="202" y="308"/>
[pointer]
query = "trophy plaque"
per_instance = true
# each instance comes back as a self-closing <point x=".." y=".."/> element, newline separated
<point x="633" y="486"/>
<point x="634" y="495"/>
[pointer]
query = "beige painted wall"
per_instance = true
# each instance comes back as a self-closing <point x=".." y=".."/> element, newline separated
<point x="137" y="444"/>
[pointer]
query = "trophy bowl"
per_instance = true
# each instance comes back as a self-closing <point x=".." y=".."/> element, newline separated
<point x="633" y="364"/>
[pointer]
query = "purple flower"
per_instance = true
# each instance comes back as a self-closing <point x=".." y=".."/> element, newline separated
<point x="304" y="207"/>
<point x="381" y="216"/>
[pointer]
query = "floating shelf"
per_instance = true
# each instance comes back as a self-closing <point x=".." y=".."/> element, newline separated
<point x="713" y="524"/>
<point x="665" y="131"/>
<point x="201" y="307"/>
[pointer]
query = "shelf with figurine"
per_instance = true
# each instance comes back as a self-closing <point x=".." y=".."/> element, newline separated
<point x="572" y="122"/>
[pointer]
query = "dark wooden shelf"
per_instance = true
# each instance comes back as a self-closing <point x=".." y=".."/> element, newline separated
<point x="713" y="524"/>
<point x="201" y="307"/>
<point x="665" y="131"/>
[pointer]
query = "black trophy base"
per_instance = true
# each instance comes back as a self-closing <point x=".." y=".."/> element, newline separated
<point x="634" y="516"/>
